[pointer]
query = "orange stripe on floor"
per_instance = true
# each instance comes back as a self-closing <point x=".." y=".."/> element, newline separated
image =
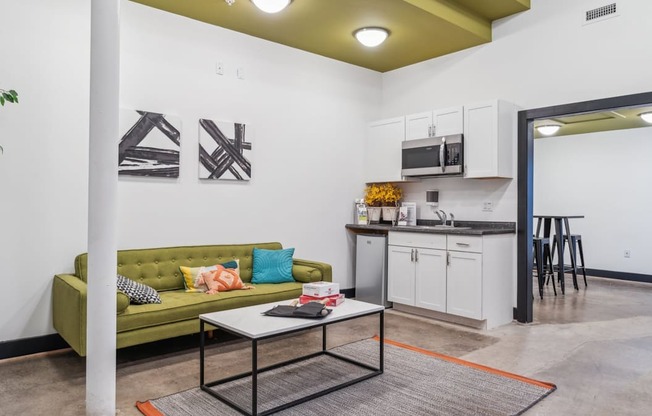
<point x="469" y="364"/>
<point x="148" y="409"/>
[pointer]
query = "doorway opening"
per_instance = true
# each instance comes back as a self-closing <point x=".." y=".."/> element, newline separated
<point x="526" y="120"/>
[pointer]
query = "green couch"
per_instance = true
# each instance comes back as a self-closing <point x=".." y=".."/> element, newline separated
<point x="178" y="313"/>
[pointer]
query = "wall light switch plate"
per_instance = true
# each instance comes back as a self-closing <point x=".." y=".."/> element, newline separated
<point x="488" y="206"/>
<point x="240" y="73"/>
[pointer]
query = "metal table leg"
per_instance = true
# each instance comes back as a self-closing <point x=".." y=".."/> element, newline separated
<point x="559" y="238"/>
<point x="571" y="249"/>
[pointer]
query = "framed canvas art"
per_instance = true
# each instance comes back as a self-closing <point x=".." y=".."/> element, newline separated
<point x="150" y="144"/>
<point x="224" y="150"/>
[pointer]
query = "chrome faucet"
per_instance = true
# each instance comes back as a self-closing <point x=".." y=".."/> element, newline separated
<point x="442" y="216"/>
<point x="452" y="219"/>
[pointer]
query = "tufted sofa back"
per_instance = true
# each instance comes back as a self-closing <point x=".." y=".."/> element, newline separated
<point x="159" y="267"/>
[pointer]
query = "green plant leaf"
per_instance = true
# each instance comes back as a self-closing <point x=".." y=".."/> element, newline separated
<point x="8" y="97"/>
<point x="13" y="92"/>
<point x="2" y="101"/>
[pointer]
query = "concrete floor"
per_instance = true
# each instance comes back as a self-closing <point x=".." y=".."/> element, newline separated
<point x="595" y="344"/>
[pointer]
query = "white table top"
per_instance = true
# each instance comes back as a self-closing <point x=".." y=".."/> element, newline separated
<point x="249" y="321"/>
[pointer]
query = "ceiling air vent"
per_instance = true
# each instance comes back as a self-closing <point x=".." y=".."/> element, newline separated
<point x="601" y="13"/>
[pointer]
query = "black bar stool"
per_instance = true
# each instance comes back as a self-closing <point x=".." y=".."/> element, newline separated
<point x="542" y="256"/>
<point x="576" y="241"/>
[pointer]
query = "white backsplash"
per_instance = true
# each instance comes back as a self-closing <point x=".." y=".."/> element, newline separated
<point x="465" y="198"/>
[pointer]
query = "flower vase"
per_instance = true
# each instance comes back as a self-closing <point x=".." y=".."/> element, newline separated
<point x="389" y="214"/>
<point x="373" y="213"/>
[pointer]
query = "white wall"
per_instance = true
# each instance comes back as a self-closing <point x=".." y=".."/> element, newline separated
<point x="44" y="169"/>
<point x="606" y="177"/>
<point x="308" y="112"/>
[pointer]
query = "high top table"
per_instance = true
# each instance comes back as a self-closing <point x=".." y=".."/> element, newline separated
<point x="561" y="225"/>
<point x="249" y="323"/>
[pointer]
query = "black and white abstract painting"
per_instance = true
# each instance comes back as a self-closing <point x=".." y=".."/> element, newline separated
<point x="224" y="150"/>
<point x="149" y="145"/>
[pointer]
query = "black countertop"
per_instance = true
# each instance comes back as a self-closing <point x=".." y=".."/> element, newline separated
<point x="429" y="226"/>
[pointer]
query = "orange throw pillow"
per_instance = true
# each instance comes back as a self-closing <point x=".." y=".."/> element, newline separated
<point x="222" y="280"/>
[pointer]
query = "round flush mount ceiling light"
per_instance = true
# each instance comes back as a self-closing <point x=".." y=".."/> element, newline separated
<point x="271" y="6"/>
<point x="548" y="129"/>
<point x="371" y="36"/>
<point x="647" y="117"/>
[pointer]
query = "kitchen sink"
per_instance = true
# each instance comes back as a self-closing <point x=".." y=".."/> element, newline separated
<point x="443" y="227"/>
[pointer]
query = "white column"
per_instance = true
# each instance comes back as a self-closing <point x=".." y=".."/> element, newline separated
<point x="102" y="208"/>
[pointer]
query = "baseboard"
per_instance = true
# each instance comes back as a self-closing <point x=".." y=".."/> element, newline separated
<point x="26" y="346"/>
<point x="632" y="277"/>
<point x="348" y="293"/>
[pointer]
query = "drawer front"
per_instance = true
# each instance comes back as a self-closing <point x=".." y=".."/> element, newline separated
<point x="465" y="243"/>
<point x="425" y="240"/>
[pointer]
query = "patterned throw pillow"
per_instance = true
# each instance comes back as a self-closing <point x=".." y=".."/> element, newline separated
<point x="137" y="292"/>
<point x="191" y="274"/>
<point x="221" y="280"/>
<point x="272" y="266"/>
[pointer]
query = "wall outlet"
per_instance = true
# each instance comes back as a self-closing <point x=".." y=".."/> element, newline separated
<point x="240" y="73"/>
<point x="219" y="68"/>
<point x="627" y="254"/>
<point x="488" y="206"/>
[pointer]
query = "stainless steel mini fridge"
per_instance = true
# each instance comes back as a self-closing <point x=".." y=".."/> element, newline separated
<point x="371" y="269"/>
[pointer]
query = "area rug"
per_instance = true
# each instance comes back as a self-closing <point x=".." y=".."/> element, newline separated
<point x="416" y="382"/>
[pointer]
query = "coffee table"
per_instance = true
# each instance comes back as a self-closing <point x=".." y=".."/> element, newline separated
<point x="249" y="323"/>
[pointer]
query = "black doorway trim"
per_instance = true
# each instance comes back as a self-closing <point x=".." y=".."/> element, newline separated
<point x="525" y="183"/>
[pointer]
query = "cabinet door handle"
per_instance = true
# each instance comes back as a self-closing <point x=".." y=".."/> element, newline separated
<point x="416" y="254"/>
<point x="448" y="259"/>
<point x="434" y="130"/>
<point x="463" y="244"/>
<point x="411" y="255"/>
<point x="429" y="131"/>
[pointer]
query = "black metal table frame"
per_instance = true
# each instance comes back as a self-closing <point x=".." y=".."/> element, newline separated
<point x="375" y="371"/>
<point x="562" y="229"/>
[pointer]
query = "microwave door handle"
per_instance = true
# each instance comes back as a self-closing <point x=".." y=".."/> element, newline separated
<point x="442" y="156"/>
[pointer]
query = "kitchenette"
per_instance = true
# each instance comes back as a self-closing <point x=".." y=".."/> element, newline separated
<point x="459" y="267"/>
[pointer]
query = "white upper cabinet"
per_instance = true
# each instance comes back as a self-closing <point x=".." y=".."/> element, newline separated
<point x="442" y="122"/>
<point x="418" y="126"/>
<point x="489" y="139"/>
<point x="383" y="150"/>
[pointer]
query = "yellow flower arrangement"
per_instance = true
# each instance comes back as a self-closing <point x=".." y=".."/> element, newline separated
<point x="382" y="194"/>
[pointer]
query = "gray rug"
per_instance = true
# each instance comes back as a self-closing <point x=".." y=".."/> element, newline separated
<point x="414" y="383"/>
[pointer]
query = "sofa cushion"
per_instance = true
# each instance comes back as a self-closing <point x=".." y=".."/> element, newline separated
<point x="272" y="266"/>
<point x="191" y="274"/>
<point x="221" y="280"/>
<point x="137" y="292"/>
<point x="178" y="305"/>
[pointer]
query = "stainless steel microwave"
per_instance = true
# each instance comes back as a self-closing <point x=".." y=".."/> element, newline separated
<point x="434" y="156"/>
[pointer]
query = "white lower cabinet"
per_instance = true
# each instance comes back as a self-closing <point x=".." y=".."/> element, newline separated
<point x="400" y="265"/>
<point x="430" y="279"/>
<point x="416" y="270"/>
<point x="464" y="284"/>
<point x="461" y="275"/>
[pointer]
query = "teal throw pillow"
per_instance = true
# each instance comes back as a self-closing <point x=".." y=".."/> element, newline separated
<point x="272" y="266"/>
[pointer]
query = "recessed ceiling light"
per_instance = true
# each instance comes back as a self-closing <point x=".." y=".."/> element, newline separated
<point x="271" y="6"/>
<point x="548" y="129"/>
<point x="647" y="117"/>
<point x="371" y="36"/>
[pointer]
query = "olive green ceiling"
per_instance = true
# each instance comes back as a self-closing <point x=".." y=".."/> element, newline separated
<point x="420" y="29"/>
<point x="617" y="119"/>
